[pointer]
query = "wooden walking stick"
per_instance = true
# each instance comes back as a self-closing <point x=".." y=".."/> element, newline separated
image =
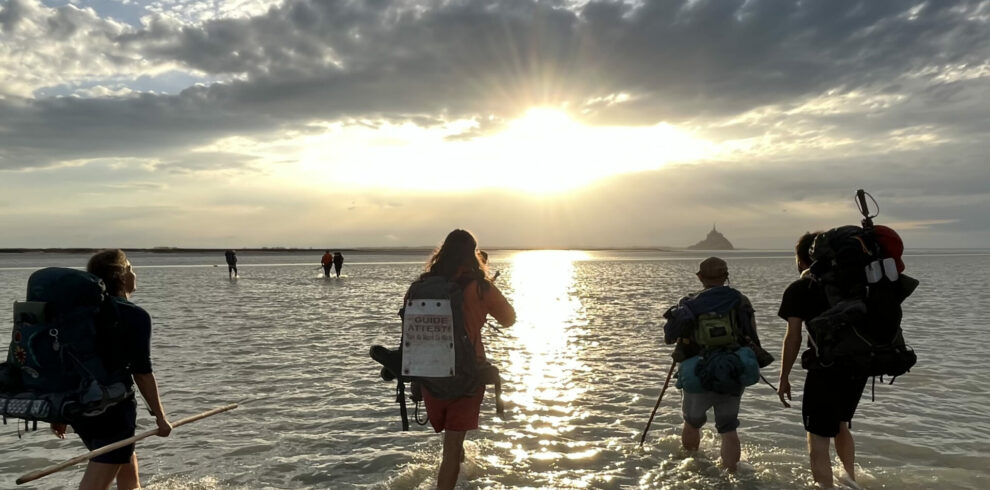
<point x="666" y="383"/>
<point x="119" y="444"/>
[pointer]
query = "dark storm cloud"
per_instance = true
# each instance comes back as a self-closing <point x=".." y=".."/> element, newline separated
<point x="676" y="60"/>
<point x="11" y="14"/>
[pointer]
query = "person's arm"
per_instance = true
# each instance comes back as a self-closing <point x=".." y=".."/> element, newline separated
<point x="499" y="307"/>
<point x="792" y="344"/>
<point x="148" y="386"/>
<point x="141" y="370"/>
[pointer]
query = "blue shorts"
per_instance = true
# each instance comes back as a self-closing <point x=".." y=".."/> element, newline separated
<point x="115" y="424"/>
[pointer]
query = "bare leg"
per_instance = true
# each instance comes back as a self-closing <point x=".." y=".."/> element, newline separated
<point x="127" y="477"/>
<point x="450" y="466"/>
<point x="690" y="437"/>
<point x="98" y="476"/>
<point x="821" y="464"/>
<point x="730" y="451"/>
<point x="845" y="447"/>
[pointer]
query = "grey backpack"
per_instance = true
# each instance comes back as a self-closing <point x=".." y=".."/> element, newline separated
<point x="436" y="349"/>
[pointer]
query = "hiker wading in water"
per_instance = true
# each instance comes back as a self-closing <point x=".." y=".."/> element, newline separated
<point x="132" y="354"/>
<point x="830" y="395"/>
<point x="457" y="260"/>
<point x="722" y="322"/>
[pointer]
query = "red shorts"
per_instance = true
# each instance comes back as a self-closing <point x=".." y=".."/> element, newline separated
<point x="460" y="414"/>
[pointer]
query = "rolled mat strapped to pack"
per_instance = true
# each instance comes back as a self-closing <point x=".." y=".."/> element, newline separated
<point x="696" y="373"/>
<point x="391" y="361"/>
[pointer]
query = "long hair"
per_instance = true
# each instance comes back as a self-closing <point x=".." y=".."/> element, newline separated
<point x="457" y="259"/>
<point x="110" y="266"/>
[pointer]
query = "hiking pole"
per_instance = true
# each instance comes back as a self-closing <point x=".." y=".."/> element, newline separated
<point x="119" y="444"/>
<point x="670" y="372"/>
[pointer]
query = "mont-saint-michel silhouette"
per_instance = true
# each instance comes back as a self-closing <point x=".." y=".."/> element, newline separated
<point x="714" y="241"/>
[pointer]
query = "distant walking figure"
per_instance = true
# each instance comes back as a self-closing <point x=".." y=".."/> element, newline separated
<point x="231" y="257"/>
<point x="327" y="261"/>
<point x="338" y="262"/>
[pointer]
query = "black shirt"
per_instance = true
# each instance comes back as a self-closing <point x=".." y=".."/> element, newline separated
<point x="134" y="346"/>
<point x="804" y="299"/>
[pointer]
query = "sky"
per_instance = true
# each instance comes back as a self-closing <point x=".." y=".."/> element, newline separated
<point x="562" y="124"/>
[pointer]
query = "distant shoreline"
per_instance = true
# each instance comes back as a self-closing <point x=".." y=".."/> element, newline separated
<point x="273" y="250"/>
<point x="182" y="250"/>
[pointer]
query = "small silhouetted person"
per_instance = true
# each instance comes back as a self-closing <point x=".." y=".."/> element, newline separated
<point x="338" y="262"/>
<point x="326" y="261"/>
<point x="231" y="257"/>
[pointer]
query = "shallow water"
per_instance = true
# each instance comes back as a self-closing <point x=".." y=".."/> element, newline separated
<point x="583" y="368"/>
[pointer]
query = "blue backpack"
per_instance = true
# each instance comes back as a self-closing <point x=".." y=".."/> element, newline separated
<point x="713" y="317"/>
<point x="56" y="369"/>
<point x="716" y="328"/>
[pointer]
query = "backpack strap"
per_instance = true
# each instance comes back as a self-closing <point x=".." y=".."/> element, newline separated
<point x="400" y="396"/>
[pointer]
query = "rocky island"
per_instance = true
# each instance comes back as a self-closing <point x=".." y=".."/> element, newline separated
<point x="714" y="241"/>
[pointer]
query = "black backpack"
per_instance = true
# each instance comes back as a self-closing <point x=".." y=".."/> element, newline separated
<point x="57" y="367"/>
<point x="435" y="351"/>
<point x="861" y="331"/>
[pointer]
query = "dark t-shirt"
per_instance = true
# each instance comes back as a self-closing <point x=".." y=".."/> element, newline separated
<point x="803" y="299"/>
<point x="133" y="348"/>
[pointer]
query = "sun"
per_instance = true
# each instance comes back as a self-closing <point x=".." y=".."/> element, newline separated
<point x="544" y="151"/>
<point x="544" y="122"/>
<point x="540" y="146"/>
<point x="548" y="151"/>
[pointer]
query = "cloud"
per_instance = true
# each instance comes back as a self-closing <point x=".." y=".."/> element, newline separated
<point x="808" y="100"/>
<point x="680" y="61"/>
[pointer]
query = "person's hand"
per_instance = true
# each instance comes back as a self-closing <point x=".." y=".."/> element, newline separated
<point x="784" y="390"/>
<point x="59" y="430"/>
<point x="164" y="427"/>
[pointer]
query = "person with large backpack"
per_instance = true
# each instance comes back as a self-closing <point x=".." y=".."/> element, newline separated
<point x="848" y="297"/>
<point x="127" y="352"/>
<point x="456" y="274"/>
<point x="715" y="333"/>
<point x="830" y="396"/>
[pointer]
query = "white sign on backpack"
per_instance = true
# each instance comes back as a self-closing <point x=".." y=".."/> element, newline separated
<point x="428" y="339"/>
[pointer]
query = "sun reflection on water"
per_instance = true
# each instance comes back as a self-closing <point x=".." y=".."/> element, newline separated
<point x="544" y="355"/>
